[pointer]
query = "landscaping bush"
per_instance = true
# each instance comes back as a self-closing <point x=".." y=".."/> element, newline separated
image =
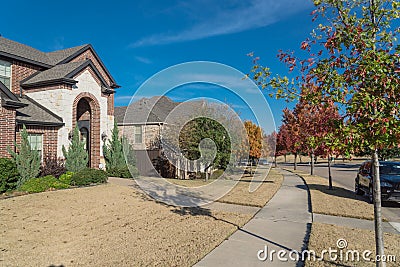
<point x="123" y="172"/>
<point x="9" y="175"/>
<point x="27" y="159"/>
<point x="119" y="172"/>
<point x="41" y="184"/>
<point x="89" y="176"/>
<point x="76" y="156"/>
<point x="52" y="166"/>
<point x="66" y="178"/>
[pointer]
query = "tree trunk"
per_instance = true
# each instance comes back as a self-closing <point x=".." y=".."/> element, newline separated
<point x="378" y="209"/>
<point x="295" y="161"/>
<point x="329" y="173"/>
<point x="276" y="165"/>
<point x="312" y="161"/>
<point x="285" y="158"/>
<point x="251" y="167"/>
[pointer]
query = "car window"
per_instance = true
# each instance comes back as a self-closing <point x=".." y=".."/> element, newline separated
<point x="389" y="168"/>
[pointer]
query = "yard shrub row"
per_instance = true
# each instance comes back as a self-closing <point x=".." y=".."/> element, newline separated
<point x="41" y="184"/>
<point x="89" y="176"/>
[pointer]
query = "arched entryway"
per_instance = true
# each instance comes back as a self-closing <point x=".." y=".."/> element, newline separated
<point x="86" y="114"/>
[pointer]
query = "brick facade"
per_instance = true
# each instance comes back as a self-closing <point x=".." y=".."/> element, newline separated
<point x="94" y="126"/>
<point x="49" y="138"/>
<point x="20" y="71"/>
<point x="110" y="105"/>
<point x="59" y="101"/>
<point x="89" y="55"/>
<point x="7" y="130"/>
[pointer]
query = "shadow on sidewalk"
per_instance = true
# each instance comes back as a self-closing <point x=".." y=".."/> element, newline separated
<point x="197" y="211"/>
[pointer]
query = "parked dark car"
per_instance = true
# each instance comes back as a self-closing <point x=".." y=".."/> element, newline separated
<point x="390" y="180"/>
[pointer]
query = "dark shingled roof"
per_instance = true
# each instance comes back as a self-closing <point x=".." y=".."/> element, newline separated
<point x="35" y="114"/>
<point x="59" y="55"/>
<point x="21" y="52"/>
<point x="8" y="99"/>
<point x="137" y="114"/>
<point x="57" y="72"/>
<point x="12" y="48"/>
<point x="139" y="110"/>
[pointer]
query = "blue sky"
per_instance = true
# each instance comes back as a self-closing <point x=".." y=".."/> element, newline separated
<point x="137" y="39"/>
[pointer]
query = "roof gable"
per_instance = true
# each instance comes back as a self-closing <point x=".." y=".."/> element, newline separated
<point x="59" y="56"/>
<point x="8" y="99"/>
<point x="35" y="114"/>
<point x="25" y="53"/>
<point x="64" y="73"/>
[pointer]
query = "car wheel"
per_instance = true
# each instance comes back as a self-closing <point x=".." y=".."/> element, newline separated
<point x="371" y="195"/>
<point x="358" y="190"/>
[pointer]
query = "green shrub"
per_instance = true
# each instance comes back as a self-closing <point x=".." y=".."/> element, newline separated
<point x="76" y="156"/>
<point x="89" y="176"/>
<point x="27" y="159"/>
<point x="41" y="184"/>
<point x="9" y="175"/>
<point x="123" y="172"/>
<point x="66" y="178"/>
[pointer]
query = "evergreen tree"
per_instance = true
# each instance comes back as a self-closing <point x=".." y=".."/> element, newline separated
<point x="113" y="152"/>
<point x="27" y="160"/>
<point x="130" y="157"/>
<point x="76" y="156"/>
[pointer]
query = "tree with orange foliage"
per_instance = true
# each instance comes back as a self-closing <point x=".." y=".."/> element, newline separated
<point x="254" y="134"/>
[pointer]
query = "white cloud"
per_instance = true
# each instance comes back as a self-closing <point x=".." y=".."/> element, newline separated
<point x="143" y="60"/>
<point x="227" y="19"/>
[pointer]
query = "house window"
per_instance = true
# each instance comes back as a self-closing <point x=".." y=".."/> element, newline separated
<point x="36" y="142"/>
<point x="5" y="73"/>
<point x="138" y="134"/>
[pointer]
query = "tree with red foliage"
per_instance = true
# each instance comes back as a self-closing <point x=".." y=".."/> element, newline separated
<point x="317" y="123"/>
<point x="354" y="62"/>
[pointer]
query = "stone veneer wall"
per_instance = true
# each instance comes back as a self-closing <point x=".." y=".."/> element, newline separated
<point x="150" y="134"/>
<point x="60" y="101"/>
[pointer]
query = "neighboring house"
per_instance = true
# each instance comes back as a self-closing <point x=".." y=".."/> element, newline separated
<point x="142" y="124"/>
<point x="52" y="92"/>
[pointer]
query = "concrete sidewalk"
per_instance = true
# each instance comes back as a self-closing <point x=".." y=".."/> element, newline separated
<point x="283" y="224"/>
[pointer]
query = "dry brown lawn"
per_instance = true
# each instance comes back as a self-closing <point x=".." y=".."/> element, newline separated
<point x="107" y="225"/>
<point x="337" y="202"/>
<point x="240" y="193"/>
<point x="325" y="236"/>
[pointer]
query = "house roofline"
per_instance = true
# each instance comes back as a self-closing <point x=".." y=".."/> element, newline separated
<point x="30" y="61"/>
<point x="49" y="82"/>
<point x="44" y="108"/>
<point x="39" y="123"/>
<point x="86" y="47"/>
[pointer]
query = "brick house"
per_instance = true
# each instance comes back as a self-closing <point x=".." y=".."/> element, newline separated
<point x="52" y="92"/>
<point x="142" y="124"/>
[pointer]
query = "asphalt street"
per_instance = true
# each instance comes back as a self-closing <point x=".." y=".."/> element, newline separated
<point x="344" y="174"/>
